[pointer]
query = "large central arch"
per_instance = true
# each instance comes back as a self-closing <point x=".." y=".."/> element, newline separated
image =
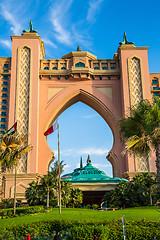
<point x="58" y="104"/>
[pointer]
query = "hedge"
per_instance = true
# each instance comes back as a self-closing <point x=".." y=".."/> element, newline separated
<point x="21" y="211"/>
<point x="75" y="230"/>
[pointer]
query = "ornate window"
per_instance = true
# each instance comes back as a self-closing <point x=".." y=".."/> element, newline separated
<point x="104" y="68"/>
<point x="79" y="64"/>
<point x="3" y="120"/>
<point x="46" y="68"/>
<point x="155" y="88"/>
<point x="2" y="126"/>
<point x="135" y="81"/>
<point x="3" y="107"/>
<point x="3" y="114"/>
<point x="4" y="101"/>
<point x="4" y="95"/>
<point x="96" y="68"/>
<point x="63" y="68"/>
<point x="5" y="66"/>
<point x="5" y="71"/>
<point x="113" y="68"/>
<point x="5" y="83"/>
<point x="4" y="89"/>
<point x="154" y="81"/>
<point x="5" y="77"/>
<point x="54" y="68"/>
<point x="156" y="94"/>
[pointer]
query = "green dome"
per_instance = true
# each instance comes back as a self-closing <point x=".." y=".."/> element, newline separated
<point x="90" y="174"/>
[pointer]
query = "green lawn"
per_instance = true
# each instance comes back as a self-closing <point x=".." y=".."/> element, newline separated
<point x="150" y="213"/>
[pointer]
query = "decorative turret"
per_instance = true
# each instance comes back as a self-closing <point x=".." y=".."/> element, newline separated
<point x="30" y="30"/>
<point x="79" y="48"/>
<point x="88" y="160"/>
<point x="125" y="41"/>
<point x="81" y="164"/>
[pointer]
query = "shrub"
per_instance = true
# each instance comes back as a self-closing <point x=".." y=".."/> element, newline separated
<point x="75" y="230"/>
<point x="95" y="206"/>
<point x="9" y="203"/>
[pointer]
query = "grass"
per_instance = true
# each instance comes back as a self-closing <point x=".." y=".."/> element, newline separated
<point x="139" y="213"/>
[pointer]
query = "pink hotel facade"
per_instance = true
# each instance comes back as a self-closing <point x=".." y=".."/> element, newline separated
<point x="35" y="91"/>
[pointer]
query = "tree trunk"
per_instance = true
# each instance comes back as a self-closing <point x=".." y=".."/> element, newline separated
<point x="150" y="195"/>
<point x="15" y="179"/>
<point x="158" y="165"/>
<point x="47" y="197"/>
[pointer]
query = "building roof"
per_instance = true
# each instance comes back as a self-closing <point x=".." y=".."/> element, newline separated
<point x="90" y="174"/>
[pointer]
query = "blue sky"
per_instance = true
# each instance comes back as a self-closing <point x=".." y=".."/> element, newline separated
<point x="98" y="26"/>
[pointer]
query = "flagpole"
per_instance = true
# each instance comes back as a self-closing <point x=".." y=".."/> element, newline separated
<point x="59" y="172"/>
<point x="124" y="235"/>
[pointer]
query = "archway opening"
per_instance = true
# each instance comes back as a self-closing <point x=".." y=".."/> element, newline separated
<point x="82" y="131"/>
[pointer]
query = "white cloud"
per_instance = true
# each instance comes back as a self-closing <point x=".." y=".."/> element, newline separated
<point x="97" y="165"/>
<point x="6" y="43"/>
<point x="89" y="116"/>
<point x="67" y="32"/>
<point x="48" y="42"/>
<point x="16" y="27"/>
<point x="61" y="34"/>
<point x="66" y="167"/>
<point x="86" y="151"/>
<point x="94" y="6"/>
<point x="57" y="20"/>
<point x="93" y="151"/>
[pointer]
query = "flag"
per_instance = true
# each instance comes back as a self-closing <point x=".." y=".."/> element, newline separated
<point x="52" y="128"/>
<point x="13" y="129"/>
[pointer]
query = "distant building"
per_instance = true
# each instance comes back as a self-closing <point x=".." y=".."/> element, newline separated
<point x="93" y="182"/>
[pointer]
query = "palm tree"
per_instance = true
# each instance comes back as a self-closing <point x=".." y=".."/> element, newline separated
<point x="141" y="131"/>
<point x="12" y="147"/>
<point x="47" y="182"/>
<point x="55" y="172"/>
<point x="66" y="189"/>
<point x="146" y="181"/>
<point x="32" y="194"/>
<point x="77" y="196"/>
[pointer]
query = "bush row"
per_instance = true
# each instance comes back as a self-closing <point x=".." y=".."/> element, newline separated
<point x="21" y="211"/>
<point x="79" y="231"/>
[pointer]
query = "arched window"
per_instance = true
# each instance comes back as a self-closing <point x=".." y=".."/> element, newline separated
<point x="2" y="126"/>
<point x="63" y="68"/>
<point x="4" y="101"/>
<point x="96" y="68"/>
<point x="4" y="95"/>
<point x="3" y="119"/>
<point x="4" y="89"/>
<point x="5" y="65"/>
<point x="79" y="64"/>
<point x="3" y="107"/>
<point x="5" y="83"/>
<point x="155" y="81"/>
<point x="46" y="68"/>
<point x="54" y="68"/>
<point x="112" y="68"/>
<point x="3" y="114"/>
<point x="5" y="71"/>
<point x="104" y="68"/>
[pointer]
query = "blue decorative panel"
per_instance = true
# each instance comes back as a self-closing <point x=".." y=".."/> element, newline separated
<point x="79" y="64"/>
